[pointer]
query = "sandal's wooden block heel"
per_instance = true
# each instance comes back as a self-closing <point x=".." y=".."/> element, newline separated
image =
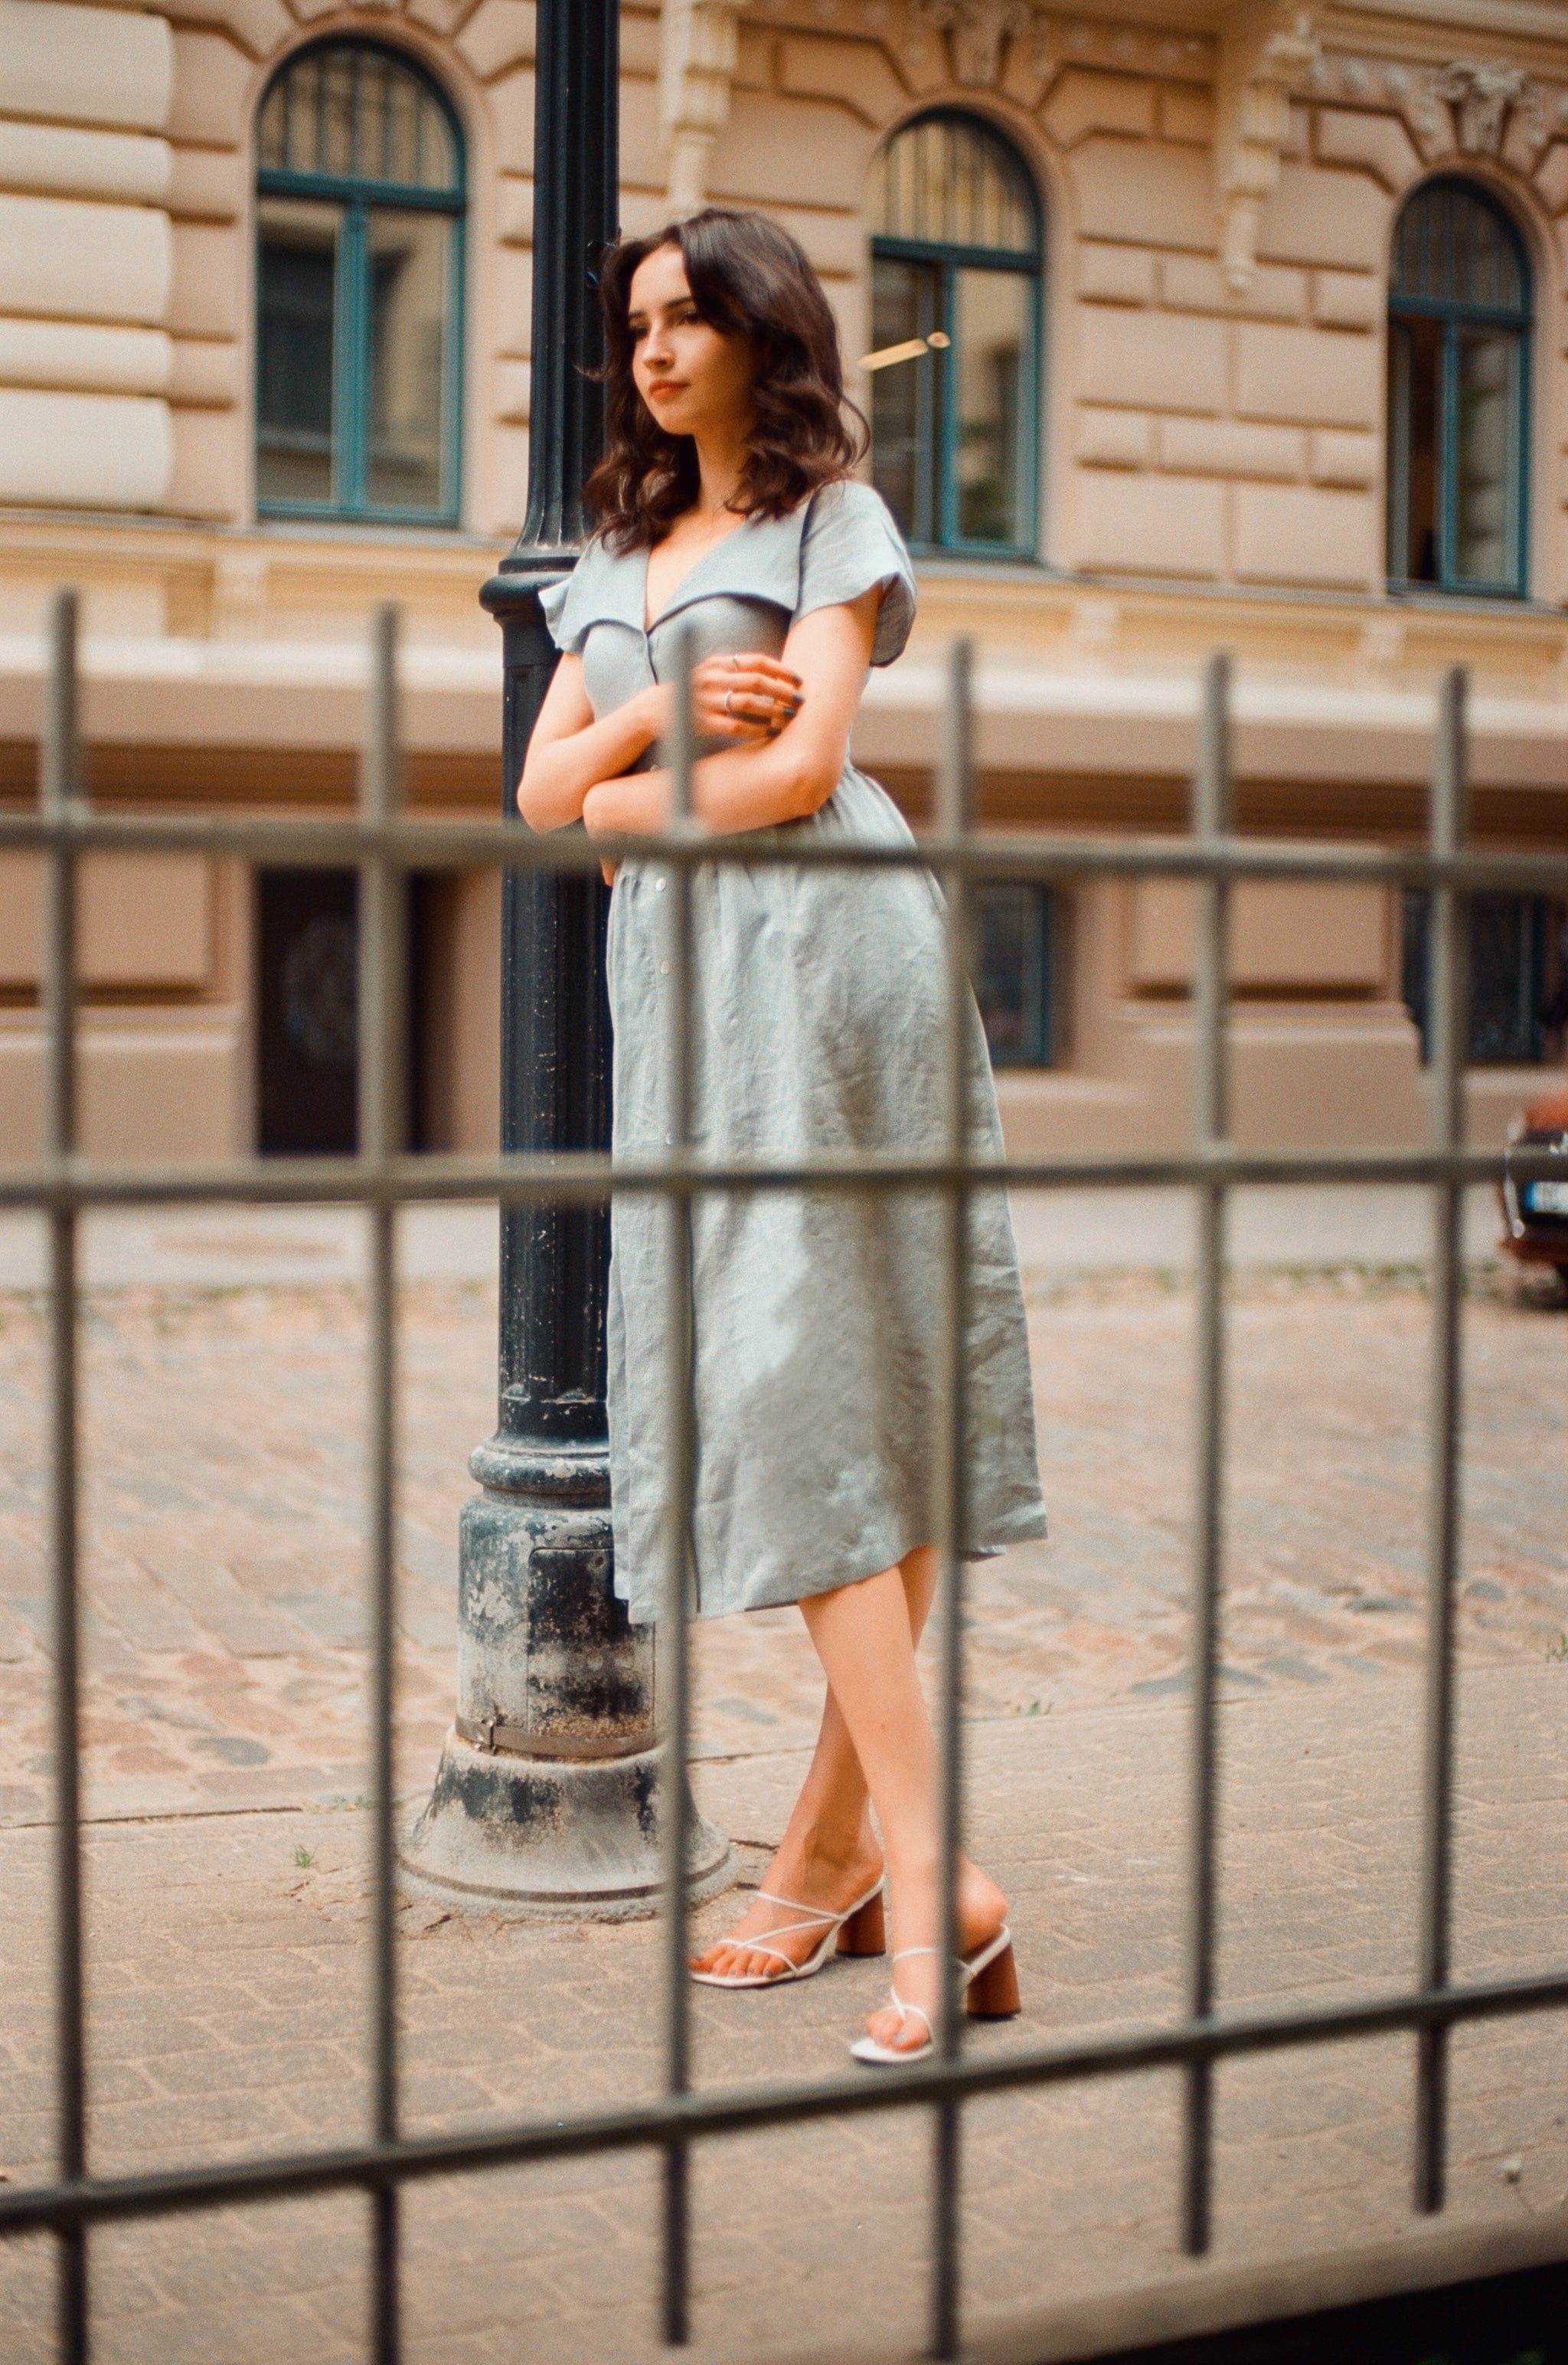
<point x="866" y="1931"/>
<point x="993" y="1993"/>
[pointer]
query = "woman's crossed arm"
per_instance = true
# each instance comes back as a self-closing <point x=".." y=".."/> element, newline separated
<point x="776" y="771"/>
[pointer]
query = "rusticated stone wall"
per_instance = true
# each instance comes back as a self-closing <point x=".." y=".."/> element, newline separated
<point x="85" y="255"/>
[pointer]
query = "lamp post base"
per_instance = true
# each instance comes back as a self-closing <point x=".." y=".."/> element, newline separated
<point x="553" y="1838"/>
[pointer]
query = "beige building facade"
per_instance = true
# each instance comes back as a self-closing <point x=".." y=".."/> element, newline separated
<point x="1191" y="327"/>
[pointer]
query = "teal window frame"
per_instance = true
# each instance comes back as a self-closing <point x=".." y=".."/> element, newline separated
<point x="1511" y="1033"/>
<point x="351" y="306"/>
<point x="1455" y="316"/>
<point x="937" y="408"/>
<point x="1039" y="1046"/>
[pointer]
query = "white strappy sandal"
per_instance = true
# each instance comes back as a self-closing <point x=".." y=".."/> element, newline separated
<point x="988" y="1980"/>
<point x="858" y="1930"/>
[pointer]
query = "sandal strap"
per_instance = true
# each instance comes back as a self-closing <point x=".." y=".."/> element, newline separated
<point x="812" y="1919"/>
<point x="761" y="1947"/>
<point x="907" y="2011"/>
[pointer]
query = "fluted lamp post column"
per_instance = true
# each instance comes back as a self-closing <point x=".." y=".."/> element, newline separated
<point x="547" y="1798"/>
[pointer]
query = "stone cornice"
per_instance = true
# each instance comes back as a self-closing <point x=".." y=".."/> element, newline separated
<point x="975" y="43"/>
<point x="1539" y="22"/>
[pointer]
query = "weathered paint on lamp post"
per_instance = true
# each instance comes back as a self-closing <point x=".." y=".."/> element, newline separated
<point x="547" y="1794"/>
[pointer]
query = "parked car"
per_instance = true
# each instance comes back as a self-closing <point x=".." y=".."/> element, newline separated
<point x="1535" y="1210"/>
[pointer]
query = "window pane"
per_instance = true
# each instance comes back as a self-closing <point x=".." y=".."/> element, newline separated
<point x="1012" y="955"/>
<point x="297" y="272"/>
<point x="356" y="113"/>
<point x="410" y="264"/>
<point x="1453" y="246"/>
<point x="1415" y="352"/>
<point x="954" y="184"/>
<point x="339" y="75"/>
<point x="1506" y="949"/>
<point x="991" y="325"/>
<point x="1485" y="458"/>
<point x="904" y="299"/>
<point x="1514" y="974"/>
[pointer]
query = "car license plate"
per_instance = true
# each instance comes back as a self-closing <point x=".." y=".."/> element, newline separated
<point x="1547" y="1198"/>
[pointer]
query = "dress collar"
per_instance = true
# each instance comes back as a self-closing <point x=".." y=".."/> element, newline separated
<point x="760" y="559"/>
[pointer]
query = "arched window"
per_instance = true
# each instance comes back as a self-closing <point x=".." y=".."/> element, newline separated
<point x="359" y="279"/>
<point x="955" y="331"/>
<point x="1458" y="393"/>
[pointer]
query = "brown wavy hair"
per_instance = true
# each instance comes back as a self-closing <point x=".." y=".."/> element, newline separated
<point x="747" y="276"/>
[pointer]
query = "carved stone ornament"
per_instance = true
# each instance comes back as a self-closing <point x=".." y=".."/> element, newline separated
<point x="1481" y="96"/>
<point x="1471" y="107"/>
<point x="1500" y="110"/>
<point x="698" y="49"/>
<point x="976" y="30"/>
<point x="1269" y="52"/>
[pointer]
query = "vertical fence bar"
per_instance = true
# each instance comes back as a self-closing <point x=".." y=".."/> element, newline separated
<point x="955" y="801"/>
<point x="61" y="790"/>
<point x="1450" y="1008"/>
<point x="1210" y="821"/>
<point x="382" y="1069"/>
<point x="675" y="1665"/>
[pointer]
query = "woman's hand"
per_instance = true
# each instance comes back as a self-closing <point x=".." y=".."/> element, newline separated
<point x="770" y="775"/>
<point x="747" y="697"/>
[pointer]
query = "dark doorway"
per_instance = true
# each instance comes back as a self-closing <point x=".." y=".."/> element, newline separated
<point x="308" y="1010"/>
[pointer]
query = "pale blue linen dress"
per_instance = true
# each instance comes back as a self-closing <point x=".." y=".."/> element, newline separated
<point x="818" y="1011"/>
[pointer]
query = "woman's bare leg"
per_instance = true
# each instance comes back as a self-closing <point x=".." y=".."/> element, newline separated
<point x="829" y="1855"/>
<point x="862" y="1636"/>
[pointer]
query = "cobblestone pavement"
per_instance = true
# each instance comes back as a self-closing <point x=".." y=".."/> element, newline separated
<point x="229" y="1975"/>
<point x="224" y="1474"/>
<point x="225" y="1728"/>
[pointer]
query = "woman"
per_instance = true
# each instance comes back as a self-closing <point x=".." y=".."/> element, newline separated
<point x="725" y="505"/>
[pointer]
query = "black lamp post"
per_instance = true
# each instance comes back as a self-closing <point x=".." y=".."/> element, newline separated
<point x="547" y="1792"/>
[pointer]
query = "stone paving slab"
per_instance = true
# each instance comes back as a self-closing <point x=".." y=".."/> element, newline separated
<point x="225" y="1725"/>
<point x="224" y="1477"/>
<point x="1059" y="1231"/>
<point x="229" y="1969"/>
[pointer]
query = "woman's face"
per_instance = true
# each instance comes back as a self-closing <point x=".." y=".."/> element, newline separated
<point x="694" y="378"/>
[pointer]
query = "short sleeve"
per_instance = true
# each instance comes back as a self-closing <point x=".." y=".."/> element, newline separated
<point x="568" y="637"/>
<point x="600" y="590"/>
<point x="850" y="542"/>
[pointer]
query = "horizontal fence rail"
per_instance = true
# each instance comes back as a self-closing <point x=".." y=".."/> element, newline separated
<point x="1228" y="2037"/>
<point x="336" y="845"/>
<point x="590" y="1178"/>
<point x="384" y="846"/>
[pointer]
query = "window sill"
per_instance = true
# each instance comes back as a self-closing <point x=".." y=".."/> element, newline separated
<point x="1009" y="563"/>
<point x="311" y="526"/>
<point x="1472" y="600"/>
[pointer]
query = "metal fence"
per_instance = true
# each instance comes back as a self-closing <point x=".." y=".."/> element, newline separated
<point x="382" y="1177"/>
